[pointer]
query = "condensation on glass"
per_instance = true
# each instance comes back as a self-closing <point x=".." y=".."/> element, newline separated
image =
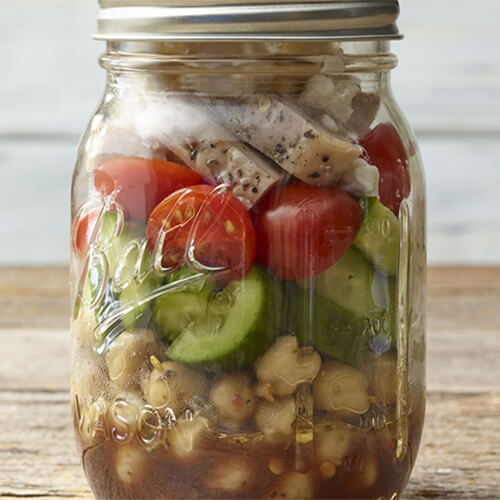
<point x="248" y="257"/>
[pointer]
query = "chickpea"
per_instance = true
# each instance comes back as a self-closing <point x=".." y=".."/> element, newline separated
<point x="341" y="388"/>
<point x="127" y="355"/>
<point x="276" y="419"/>
<point x="230" y="476"/>
<point x="327" y="470"/>
<point x="122" y="416"/>
<point x="172" y="384"/>
<point x="185" y="436"/>
<point x="276" y="466"/>
<point x="130" y="463"/>
<point x="285" y="365"/>
<point x="233" y="398"/>
<point x="83" y="328"/>
<point x="333" y="440"/>
<point x="369" y="471"/>
<point x="293" y="485"/>
<point x="89" y="380"/>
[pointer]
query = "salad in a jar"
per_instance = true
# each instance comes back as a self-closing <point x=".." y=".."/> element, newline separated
<point x="236" y="311"/>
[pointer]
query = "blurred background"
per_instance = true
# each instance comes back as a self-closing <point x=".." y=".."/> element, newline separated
<point x="447" y="82"/>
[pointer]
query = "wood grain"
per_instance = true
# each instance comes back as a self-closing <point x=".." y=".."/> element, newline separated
<point x="34" y="297"/>
<point x="459" y="457"/>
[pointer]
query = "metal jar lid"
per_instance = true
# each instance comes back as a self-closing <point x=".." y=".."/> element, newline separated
<point x="166" y="20"/>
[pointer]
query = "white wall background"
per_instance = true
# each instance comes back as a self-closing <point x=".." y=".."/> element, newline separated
<point x="448" y="83"/>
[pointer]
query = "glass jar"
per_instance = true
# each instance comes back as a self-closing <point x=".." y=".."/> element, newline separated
<point x="248" y="259"/>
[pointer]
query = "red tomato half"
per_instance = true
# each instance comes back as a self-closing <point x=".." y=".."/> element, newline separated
<point x="81" y="231"/>
<point x="386" y="151"/>
<point x="303" y="230"/>
<point x="215" y="223"/>
<point x="140" y="184"/>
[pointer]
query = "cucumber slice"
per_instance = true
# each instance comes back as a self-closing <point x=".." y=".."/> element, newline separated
<point x="132" y="296"/>
<point x="121" y="247"/>
<point x="347" y="310"/>
<point x="175" y="312"/>
<point x="234" y="331"/>
<point x="203" y="284"/>
<point x="378" y="237"/>
<point x="331" y="329"/>
<point x="120" y="289"/>
<point x="383" y="323"/>
<point x="349" y="283"/>
<point x="338" y="333"/>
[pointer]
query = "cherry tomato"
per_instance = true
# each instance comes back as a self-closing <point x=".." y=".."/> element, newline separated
<point x="210" y="220"/>
<point x="140" y="184"/>
<point x="303" y="229"/>
<point x="386" y="151"/>
<point x="81" y="231"/>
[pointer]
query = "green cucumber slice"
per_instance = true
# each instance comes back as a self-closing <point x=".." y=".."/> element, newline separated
<point x="133" y="297"/>
<point x="175" y="312"/>
<point x="121" y="248"/>
<point x="121" y="289"/>
<point x="204" y="284"/>
<point x="330" y="328"/>
<point x="379" y="235"/>
<point x="338" y="333"/>
<point x="347" y="310"/>
<point x="349" y="283"/>
<point x="234" y="331"/>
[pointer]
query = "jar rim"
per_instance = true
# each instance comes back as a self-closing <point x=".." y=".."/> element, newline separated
<point x="246" y="20"/>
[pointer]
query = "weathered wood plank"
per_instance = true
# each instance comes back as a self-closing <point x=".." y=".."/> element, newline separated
<point x="463" y="280"/>
<point x="458" y="360"/>
<point x="37" y="452"/>
<point x="34" y="297"/>
<point x="463" y="325"/>
<point x="35" y="360"/>
<point x="459" y="454"/>
<point x="458" y="458"/>
<point x="459" y="297"/>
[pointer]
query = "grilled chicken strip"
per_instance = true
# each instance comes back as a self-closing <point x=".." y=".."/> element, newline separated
<point x="281" y="131"/>
<point x="215" y="153"/>
<point x="174" y="127"/>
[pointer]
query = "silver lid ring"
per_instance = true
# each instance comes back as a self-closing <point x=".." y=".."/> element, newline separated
<point x="318" y="20"/>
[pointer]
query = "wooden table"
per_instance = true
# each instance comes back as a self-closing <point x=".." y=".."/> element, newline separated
<point x="459" y="458"/>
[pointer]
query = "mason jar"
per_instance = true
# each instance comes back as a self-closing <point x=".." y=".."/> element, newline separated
<point x="248" y="256"/>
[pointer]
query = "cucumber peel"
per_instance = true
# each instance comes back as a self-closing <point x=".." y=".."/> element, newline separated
<point x="349" y="283"/>
<point x="379" y="235"/>
<point x="234" y="331"/>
